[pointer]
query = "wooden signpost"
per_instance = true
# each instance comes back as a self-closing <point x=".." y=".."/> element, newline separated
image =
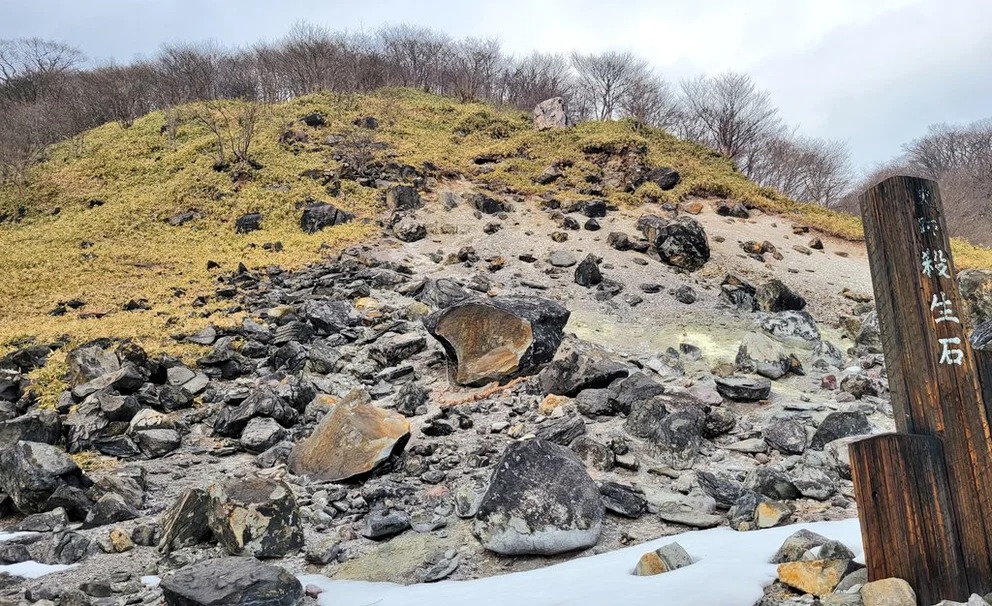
<point x="925" y="492"/>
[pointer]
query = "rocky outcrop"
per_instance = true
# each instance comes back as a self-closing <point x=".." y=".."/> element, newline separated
<point x="540" y="501"/>
<point x="352" y="440"/>
<point x="498" y="338"/>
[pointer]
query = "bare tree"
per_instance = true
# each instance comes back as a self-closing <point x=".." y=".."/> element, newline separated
<point x="415" y="55"/>
<point x="119" y="93"/>
<point x="534" y="78"/>
<point x="474" y="68"/>
<point x="651" y="101"/>
<point x="805" y="169"/>
<point x="731" y="115"/>
<point x="25" y="134"/>
<point x="233" y="125"/>
<point x="30" y="67"/>
<point x="606" y="80"/>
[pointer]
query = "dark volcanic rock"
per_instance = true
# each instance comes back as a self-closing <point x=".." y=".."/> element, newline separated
<point x="587" y="272"/>
<point x="786" y="436"/>
<point x="738" y="293"/>
<point x="248" y="223"/>
<point x="725" y="492"/>
<point x="385" y="524"/>
<point x="443" y="293"/>
<point x="110" y="509"/>
<point x="540" y="501"/>
<point x="185" y="522"/>
<point x="744" y="389"/>
<point x="577" y="371"/>
<point x="403" y="198"/>
<point x="231" y="582"/>
<point x="263" y="402"/>
<point x="772" y="483"/>
<point x="680" y="242"/>
<point x="775" y="296"/>
<point x="562" y="431"/>
<point x="38" y="426"/>
<point x="31" y="472"/>
<point x="838" y="425"/>
<point x="318" y="215"/>
<point x="256" y="516"/>
<point x="622" y="500"/>
<point x="664" y="177"/>
<point x="498" y="338"/>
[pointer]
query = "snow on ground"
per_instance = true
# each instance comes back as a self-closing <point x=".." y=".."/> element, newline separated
<point x="29" y="569"/>
<point x="729" y="569"/>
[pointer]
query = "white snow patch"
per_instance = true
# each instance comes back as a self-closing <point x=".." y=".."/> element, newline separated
<point x="151" y="580"/>
<point x="33" y="570"/>
<point x="730" y="569"/>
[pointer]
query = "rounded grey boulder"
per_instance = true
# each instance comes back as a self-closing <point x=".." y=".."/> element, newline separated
<point x="540" y="501"/>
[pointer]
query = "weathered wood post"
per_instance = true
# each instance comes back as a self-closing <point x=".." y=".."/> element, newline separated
<point x="924" y="493"/>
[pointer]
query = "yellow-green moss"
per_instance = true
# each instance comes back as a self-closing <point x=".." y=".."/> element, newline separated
<point x="125" y="249"/>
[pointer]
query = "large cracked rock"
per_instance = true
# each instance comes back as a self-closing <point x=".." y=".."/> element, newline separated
<point x="761" y="354"/>
<point x="680" y="242"/>
<point x="352" y="440"/>
<point x="540" y="501"/>
<point x="498" y="338"/>
<point x="550" y="113"/>
<point x="31" y="473"/>
<point x="231" y="582"/>
<point x="257" y="517"/>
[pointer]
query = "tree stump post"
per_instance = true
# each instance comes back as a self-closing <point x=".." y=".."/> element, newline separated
<point x="924" y="493"/>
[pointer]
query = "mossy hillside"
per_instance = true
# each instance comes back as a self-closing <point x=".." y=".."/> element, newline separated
<point x="125" y="249"/>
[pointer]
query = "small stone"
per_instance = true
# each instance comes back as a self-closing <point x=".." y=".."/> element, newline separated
<point x="888" y="592"/>
<point x="664" y="559"/>
<point x="550" y="403"/>
<point x="771" y="513"/>
<point x="382" y="525"/>
<point x="120" y="540"/>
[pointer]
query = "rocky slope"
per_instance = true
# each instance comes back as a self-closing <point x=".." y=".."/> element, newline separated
<point x="497" y="383"/>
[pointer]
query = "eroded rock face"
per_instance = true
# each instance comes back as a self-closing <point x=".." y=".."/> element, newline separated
<point x="540" y="501"/>
<point x="231" y="582"/>
<point x="353" y="439"/>
<point x="256" y="516"/>
<point x="498" y="338"/>
<point x="550" y="113"/>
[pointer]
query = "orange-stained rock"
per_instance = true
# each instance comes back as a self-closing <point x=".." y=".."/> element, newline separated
<point x="498" y="338"/>
<point x="353" y="439"/>
<point x="693" y="208"/>
<point x="816" y="577"/>
<point x="550" y="403"/>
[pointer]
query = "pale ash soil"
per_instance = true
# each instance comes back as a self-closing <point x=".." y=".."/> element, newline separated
<point x="637" y="333"/>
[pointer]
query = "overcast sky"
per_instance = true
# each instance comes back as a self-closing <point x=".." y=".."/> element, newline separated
<point x="872" y="72"/>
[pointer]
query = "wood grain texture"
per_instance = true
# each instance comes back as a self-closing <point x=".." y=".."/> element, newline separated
<point x="903" y="494"/>
<point x="909" y="255"/>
